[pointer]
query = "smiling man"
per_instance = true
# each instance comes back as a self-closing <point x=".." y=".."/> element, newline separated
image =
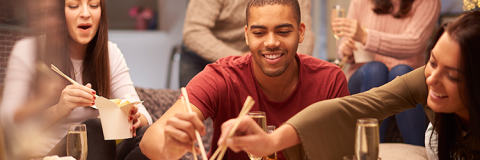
<point x="280" y="81"/>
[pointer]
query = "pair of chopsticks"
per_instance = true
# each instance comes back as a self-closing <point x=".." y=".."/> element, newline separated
<point x="68" y="78"/>
<point x="186" y="104"/>
<point x="62" y="74"/>
<point x="245" y="109"/>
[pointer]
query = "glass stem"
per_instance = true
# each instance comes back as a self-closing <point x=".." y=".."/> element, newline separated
<point x="337" y="61"/>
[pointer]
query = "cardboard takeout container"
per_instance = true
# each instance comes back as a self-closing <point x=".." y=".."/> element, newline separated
<point x="114" y="118"/>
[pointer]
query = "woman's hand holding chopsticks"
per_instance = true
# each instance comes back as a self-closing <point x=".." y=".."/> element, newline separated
<point x="74" y="96"/>
<point x="248" y="137"/>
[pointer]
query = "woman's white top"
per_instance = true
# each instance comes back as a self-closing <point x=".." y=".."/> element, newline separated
<point x="20" y="72"/>
<point x="431" y="142"/>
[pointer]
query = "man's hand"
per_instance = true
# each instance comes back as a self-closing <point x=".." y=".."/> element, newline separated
<point x="248" y="137"/>
<point x="173" y="134"/>
<point x="180" y="134"/>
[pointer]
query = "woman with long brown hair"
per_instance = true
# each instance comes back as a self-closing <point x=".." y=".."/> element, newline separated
<point x="78" y="45"/>
<point x="396" y="32"/>
<point x="448" y="84"/>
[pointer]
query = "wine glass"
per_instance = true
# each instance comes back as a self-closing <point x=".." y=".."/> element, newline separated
<point x="261" y="119"/>
<point x="77" y="141"/>
<point x="352" y="157"/>
<point x="270" y="129"/>
<point x="367" y="139"/>
<point x="337" y="12"/>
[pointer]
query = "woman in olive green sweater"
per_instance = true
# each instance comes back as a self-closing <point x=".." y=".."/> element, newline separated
<point x="448" y="84"/>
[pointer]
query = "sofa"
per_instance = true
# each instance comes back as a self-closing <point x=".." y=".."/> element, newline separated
<point x="402" y="151"/>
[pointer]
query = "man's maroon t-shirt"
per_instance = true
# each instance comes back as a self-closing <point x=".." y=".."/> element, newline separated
<point x="220" y="90"/>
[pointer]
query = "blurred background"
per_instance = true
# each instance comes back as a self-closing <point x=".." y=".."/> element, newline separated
<point x="149" y="31"/>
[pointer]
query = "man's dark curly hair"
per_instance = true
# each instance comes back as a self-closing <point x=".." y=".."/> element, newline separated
<point x="293" y="4"/>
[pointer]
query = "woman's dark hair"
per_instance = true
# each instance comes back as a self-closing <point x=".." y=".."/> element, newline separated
<point x="436" y="36"/>
<point x="96" y="65"/>
<point x="465" y="30"/>
<point x="53" y="49"/>
<point x="386" y="7"/>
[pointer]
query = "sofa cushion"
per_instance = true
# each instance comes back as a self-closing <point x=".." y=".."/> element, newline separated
<point x="157" y="101"/>
<point x="401" y="151"/>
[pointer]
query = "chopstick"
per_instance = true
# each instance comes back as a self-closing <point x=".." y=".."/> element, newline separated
<point x="197" y="134"/>
<point x="342" y="63"/>
<point x="68" y="78"/>
<point x="247" y="106"/>
<point x="193" y="144"/>
<point x="62" y="74"/>
<point x="245" y="109"/>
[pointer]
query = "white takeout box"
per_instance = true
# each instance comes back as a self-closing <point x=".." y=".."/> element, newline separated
<point x="114" y="119"/>
<point x="361" y="55"/>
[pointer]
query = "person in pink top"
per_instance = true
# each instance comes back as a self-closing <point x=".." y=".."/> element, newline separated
<point x="397" y="32"/>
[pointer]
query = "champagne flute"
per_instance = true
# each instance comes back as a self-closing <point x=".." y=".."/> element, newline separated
<point x="367" y="139"/>
<point x="261" y="119"/>
<point x="270" y="129"/>
<point x="337" y="12"/>
<point x="77" y="141"/>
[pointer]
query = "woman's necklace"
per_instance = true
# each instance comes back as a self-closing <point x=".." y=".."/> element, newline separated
<point x="77" y="68"/>
<point x="463" y="133"/>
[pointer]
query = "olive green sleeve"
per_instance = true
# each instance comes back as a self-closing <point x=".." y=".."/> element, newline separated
<point x="327" y="128"/>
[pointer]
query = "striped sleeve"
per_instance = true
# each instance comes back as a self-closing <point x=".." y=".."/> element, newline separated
<point x="413" y="40"/>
